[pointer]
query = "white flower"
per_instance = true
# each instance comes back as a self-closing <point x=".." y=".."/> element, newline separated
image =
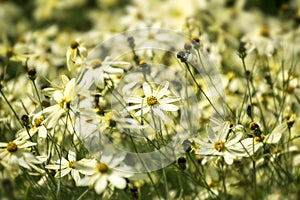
<point x="76" y="54"/>
<point x="251" y="145"/>
<point x="222" y="142"/>
<point x="155" y="101"/>
<point x="103" y="172"/>
<point x="63" y="98"/>
<point x="37" y="127"/>
<point x="17" y="153"/>
<point x="97" y="72"/>
<point x="70" y="166"/>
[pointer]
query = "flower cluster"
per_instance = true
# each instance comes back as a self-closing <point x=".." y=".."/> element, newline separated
<point x="149" y="99"/>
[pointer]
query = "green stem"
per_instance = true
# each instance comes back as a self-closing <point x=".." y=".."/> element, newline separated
<point x="10" y="106"/>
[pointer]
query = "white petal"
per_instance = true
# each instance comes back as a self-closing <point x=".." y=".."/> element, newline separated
<point x="145" y="110"/>
<point x="112" y="70"/>
<point x="117" y="181"/>
<point x="273" y="138"/>
<point x="100" y="184"/>
<point x="134" y="107"/>
<point x="75" y="175"/>
<point x="58" y="96"/>
<point x="168" y="107"/>
<point x="168" y="100"/>
<point x="159" y="113"/>
<point x="147" y="89"/>
<point x="72" y="156"/>
<point x="128" y="87"/>
<point x="235" y="138"/>
<point x="62" y="173"/>
<point x="69" y="90"/>
<point x="163" y="91"/>
<point x="133" y="99"/>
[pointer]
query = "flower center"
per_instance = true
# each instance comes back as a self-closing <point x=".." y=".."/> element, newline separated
<point x="11" y="147"/>
<point x="102" y="167"/>
<point x="65" y="103"/>
<point x="219" y="146"/>
<point x="259" y="138"/>
<point x="71" y="164"/>
<point x="151" y="101"/>
<point x="38" y="121"/>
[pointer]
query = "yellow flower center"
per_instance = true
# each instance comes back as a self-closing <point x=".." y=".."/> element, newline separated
<point x="64" y="103"/>
<point x="219" y="146"/>
<point x="38" y="121"/>
<point x="101" y="167"/>
<point x="151" y="101"/>
<point x="12" y="147"/>
<point x="71" y="164"/>
<point x="259" y="138"/>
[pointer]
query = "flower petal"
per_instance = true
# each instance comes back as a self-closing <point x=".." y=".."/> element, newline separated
<point x="147" y="89"/>
<point x="163" y="91"/>
<point x="169" y="107"/>
<point x="117" y="181"/>
<point x="100" y="184"/>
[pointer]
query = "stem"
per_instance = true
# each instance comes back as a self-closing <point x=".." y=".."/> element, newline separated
<point x="3" y="95"/>
<point x="201" y="90"/>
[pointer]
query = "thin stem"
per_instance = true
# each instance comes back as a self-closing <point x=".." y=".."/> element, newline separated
<point x="10" y="106"/>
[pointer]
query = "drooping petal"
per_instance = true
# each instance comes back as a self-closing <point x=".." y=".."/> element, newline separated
<point x="159" y="113"/>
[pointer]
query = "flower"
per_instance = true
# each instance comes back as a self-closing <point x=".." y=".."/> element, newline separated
<point x="63" y="98"/>
<point x="153" y="101"/>
<point x="103" y="172"/>
<point x="97" y="72"/>
<point x="251" y="145"/>
<point x="70" y="166"/>
<point x="17" y="153"/>
<point x="222" y="141"/>
<point x="76" y="54"/>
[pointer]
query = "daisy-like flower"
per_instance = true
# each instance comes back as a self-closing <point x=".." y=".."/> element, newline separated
<point x="97" y="72"/>
<point x="76" y="54"/>
<point x="36" y="127"/>
<point x="17" y="153"/>
<point x="251" y="145"/>
<point x="154" y="100"/>
<point x="70" y="166"/>
<point x="63" y="98"/>
<point x="103" y="172"/>
<point x="222" y="141"/>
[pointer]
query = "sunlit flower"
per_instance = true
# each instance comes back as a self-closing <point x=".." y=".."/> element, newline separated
<point x="98" y="72"/>
<point x="259" y="139"/>
<point x="63" y="98"/>
<point x="222" y="141"/>
<point x="76" y="54"/>
<point x="155" y="101"/>
<point x="17" y="153"/>
<point x="103" y="172"/>
<point x="70" y="166"/>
